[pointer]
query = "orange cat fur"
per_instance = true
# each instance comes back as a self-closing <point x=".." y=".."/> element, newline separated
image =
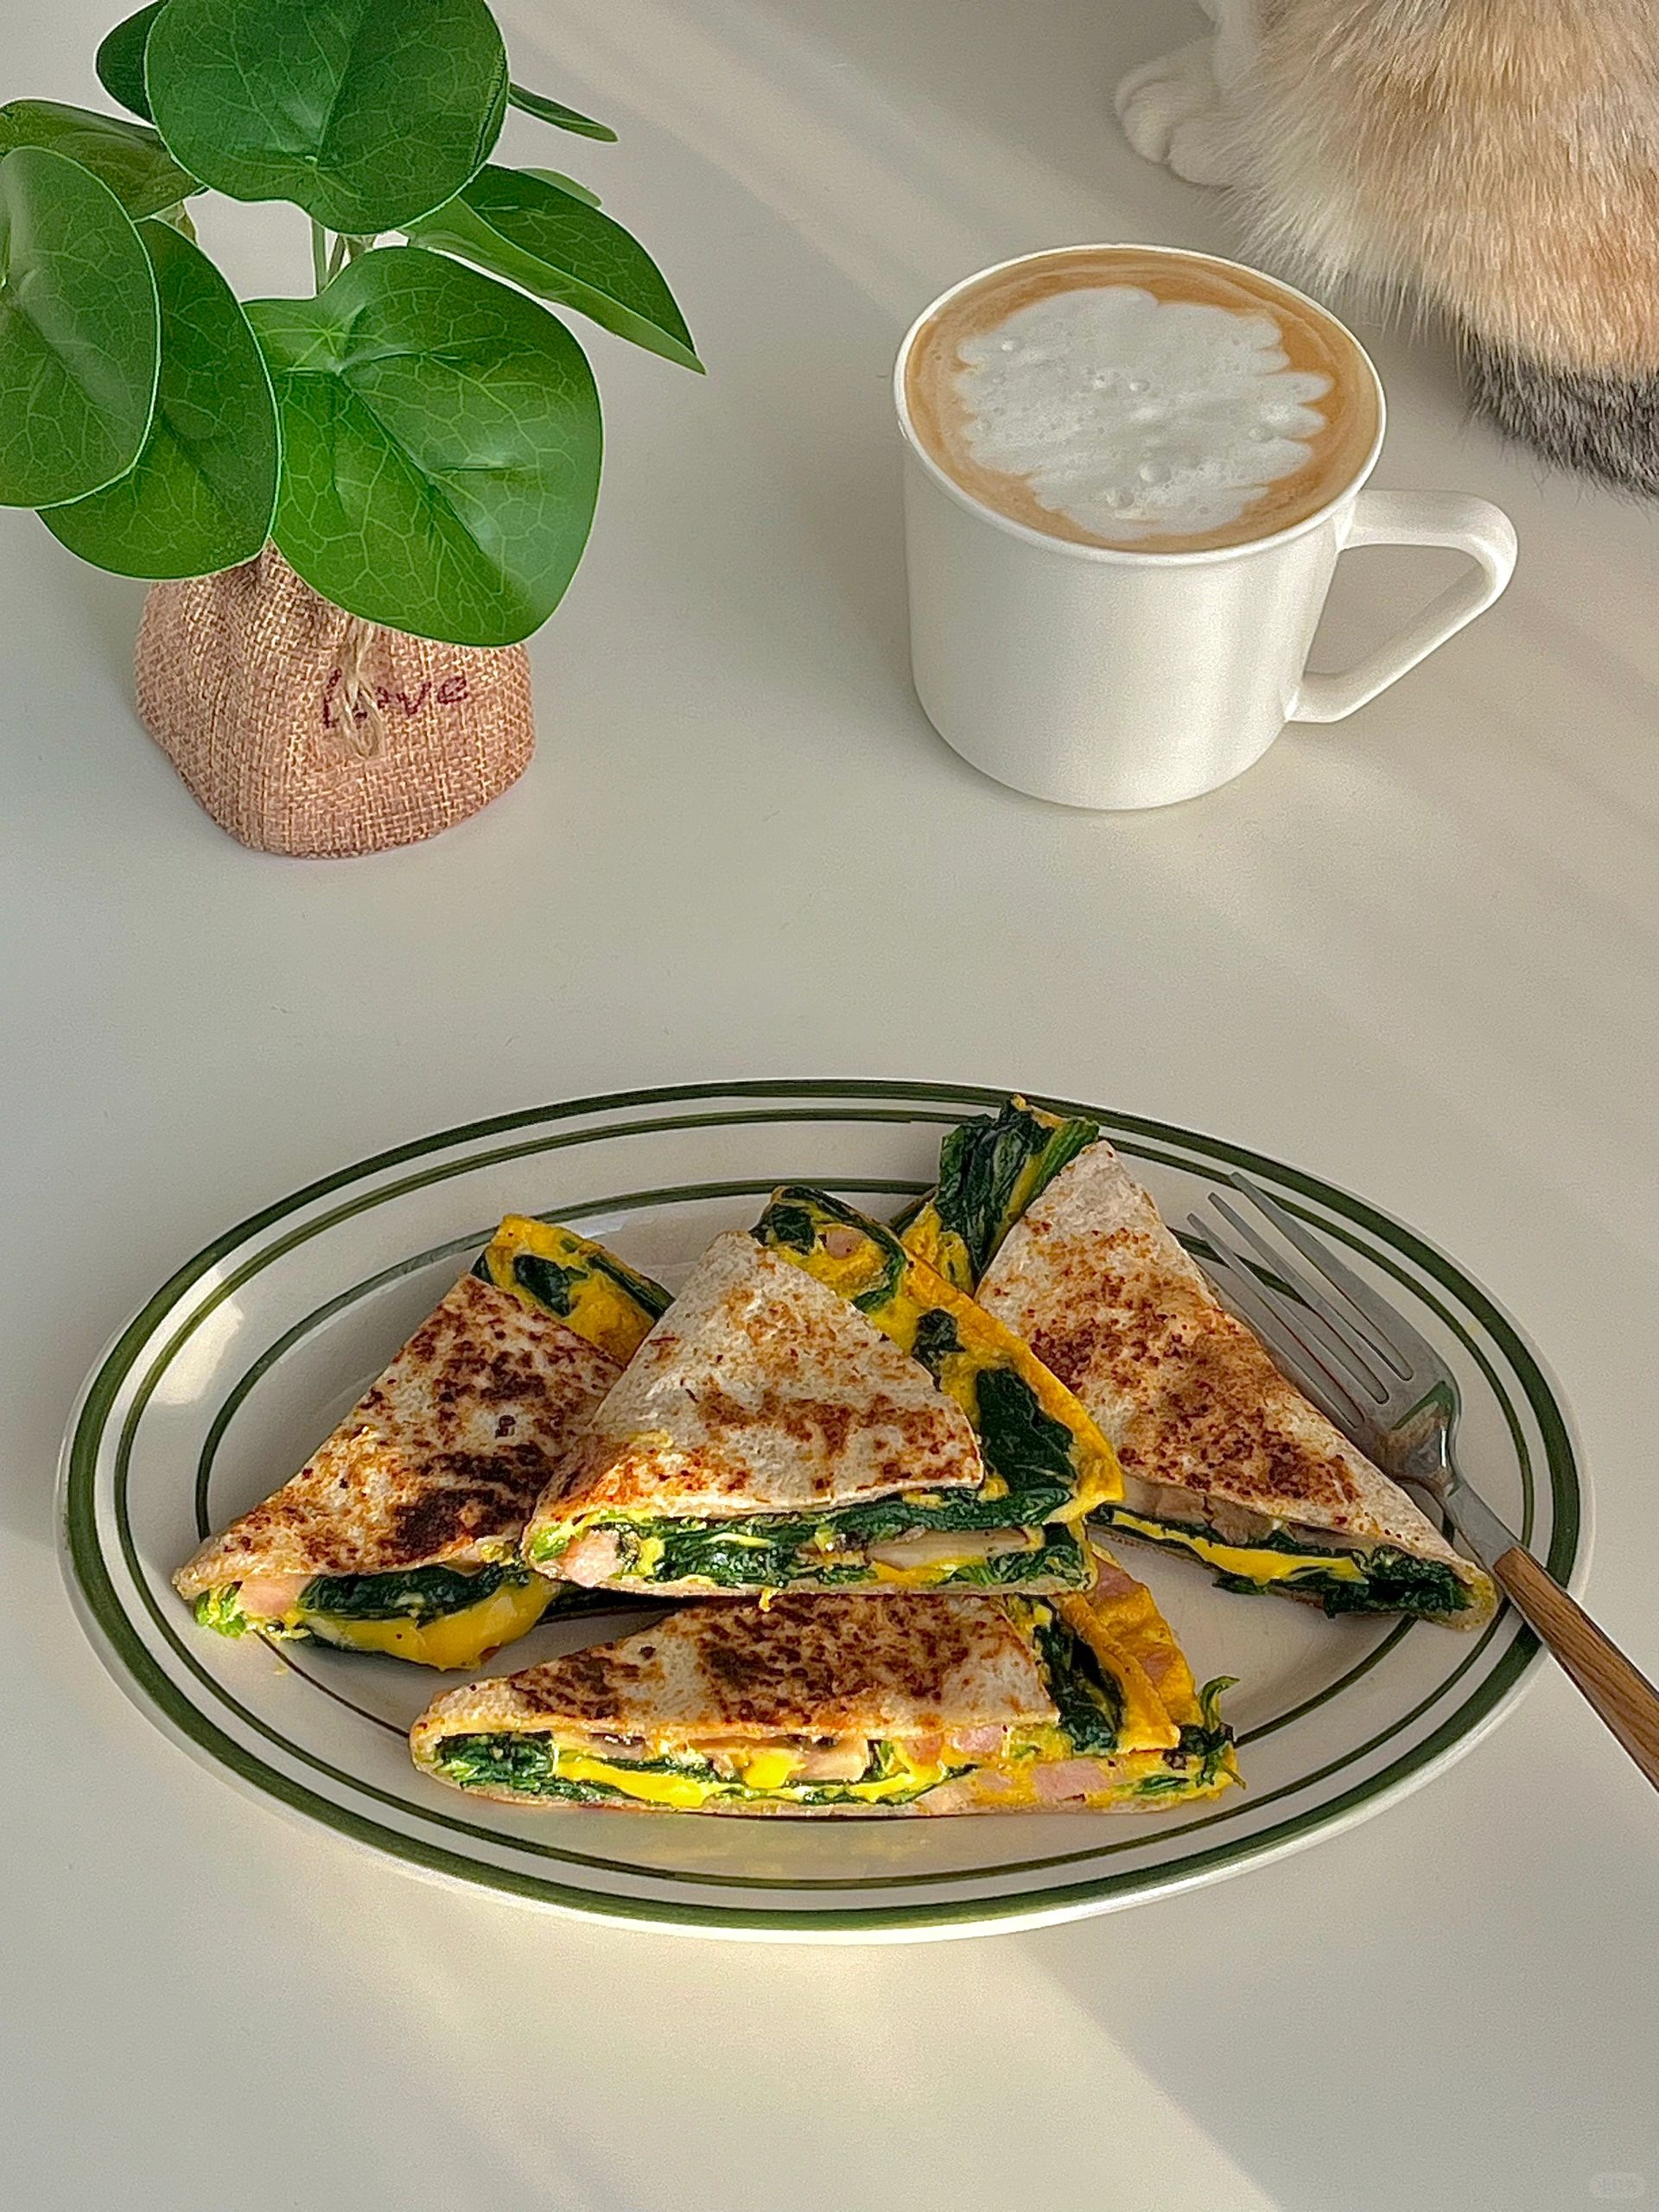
<point x="1494" y="161"/>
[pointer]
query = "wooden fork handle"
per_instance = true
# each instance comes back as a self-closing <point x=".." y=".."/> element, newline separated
<point x="1625" y="1698"/>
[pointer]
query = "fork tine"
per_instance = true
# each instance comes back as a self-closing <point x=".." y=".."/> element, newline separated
<point x="1412" y="1354"/>
<point x="1349" y="1345"/>
<point x="1257" y="1306"/>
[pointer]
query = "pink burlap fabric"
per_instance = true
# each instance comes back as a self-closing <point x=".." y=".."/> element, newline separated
<point x="303" y="730"/>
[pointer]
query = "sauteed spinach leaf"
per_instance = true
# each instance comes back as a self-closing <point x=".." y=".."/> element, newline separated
<point x="1090" y="1702"/>
<point x="776" y="1551"/>
<point x="218" y="1609"/>
<point x="990" y="1170"/>
<point x="1027" y="1447"/>
<point x="1391" y="1581"/>
<point x="529" y="1763"/>
<point x="1198" y="1759"/>
<point x="1396" y="1583"/>
<point x="420" y="1593"/>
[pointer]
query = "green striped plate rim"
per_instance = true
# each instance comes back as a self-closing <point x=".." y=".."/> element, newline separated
<point x="1481" y="1675"/>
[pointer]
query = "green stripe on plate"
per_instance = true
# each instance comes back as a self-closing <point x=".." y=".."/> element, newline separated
<point x="910" y="1102"/>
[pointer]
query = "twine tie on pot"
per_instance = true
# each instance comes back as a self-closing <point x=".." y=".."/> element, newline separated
<point x="362" y="726"/>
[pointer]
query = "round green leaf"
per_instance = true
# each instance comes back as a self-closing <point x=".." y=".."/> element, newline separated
<point x="365" y="112"/>
<point x="587" y="196"/>
<point x="440" y="447"/>
<point x="80" y="332"/>
<point x="132" y="161"/>
<point x="203" y="489"/>
<point x="530" y="230"/>
<point x="120" y="60"/>
<point x="556" y="112"/>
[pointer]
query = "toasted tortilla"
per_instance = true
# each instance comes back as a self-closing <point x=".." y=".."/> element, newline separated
<point x="762" y="1391"/>
<point x="705" y="1711"/>
<point x="818" y="1665"/>
<point x="438" y="1463"/>
<point x="401" y="1534"/>
<point x="1103" y="1292"/>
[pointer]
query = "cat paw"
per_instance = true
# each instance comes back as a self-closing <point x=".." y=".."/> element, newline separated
<point x="1172" y="111"/>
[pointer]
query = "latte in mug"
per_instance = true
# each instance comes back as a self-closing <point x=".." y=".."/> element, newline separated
<point x="1121" y="397"/>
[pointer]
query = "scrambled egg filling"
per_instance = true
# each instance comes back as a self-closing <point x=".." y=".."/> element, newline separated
<point x="801" y="1552"/>
<point x="1142" y="1752"/>
<point x="1249" y="1562"/>
<point x="453" y="1640"/>
<point x="768" y="1773"/>
<point x="897" y="1774"/>
<point x="991" y="1171"/>
<point x="552" y="1271"/>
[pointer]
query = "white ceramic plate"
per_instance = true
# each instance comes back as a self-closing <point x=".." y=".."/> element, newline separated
<point x="224" y="1382"/>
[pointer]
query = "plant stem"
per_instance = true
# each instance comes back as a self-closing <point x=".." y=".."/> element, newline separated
<point x="319" y="253"/>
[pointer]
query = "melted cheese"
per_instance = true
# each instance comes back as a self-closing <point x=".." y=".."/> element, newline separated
<point x="919" y="1577"/>
<point x="453" y="1640"/>
<point x="769" y="1770"/>
<point x="914" y="1773"/>
<point x="766" y="1775"/>
<point x="650" y="1559"/>
<point x="686" y="1793"/>
<point x="1252" y="1563"/>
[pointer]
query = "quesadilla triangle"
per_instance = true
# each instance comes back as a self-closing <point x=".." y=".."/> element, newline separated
<point x="929" y="1703"/>
<point x="817" y="1411"/>
<point x="401" y="1534"/>
<point x="1224" y="1460"/>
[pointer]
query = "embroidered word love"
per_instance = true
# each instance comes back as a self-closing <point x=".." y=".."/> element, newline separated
<point x="450" y="692"/>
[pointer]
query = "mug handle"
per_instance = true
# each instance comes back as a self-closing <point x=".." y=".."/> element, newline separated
<point x="1473" y="526"/>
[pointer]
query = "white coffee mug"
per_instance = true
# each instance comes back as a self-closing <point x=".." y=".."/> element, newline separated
<point x="1106" y="677"/>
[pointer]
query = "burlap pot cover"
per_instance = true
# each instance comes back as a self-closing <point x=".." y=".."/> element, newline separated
<point x="303" y="730"/>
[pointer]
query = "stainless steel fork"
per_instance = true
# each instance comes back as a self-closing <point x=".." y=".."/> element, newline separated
<point x="1389" y="1391"/>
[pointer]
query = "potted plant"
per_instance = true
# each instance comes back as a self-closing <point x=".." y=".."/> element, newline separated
<point x="353" y="506"/>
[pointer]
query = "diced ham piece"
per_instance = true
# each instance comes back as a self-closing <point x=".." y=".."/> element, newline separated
<point x="840" y="1761"/>
<point x="267" y="1597"/>
<point x="592" y="1558"/>
<point x="1055" y="1783"/>
<point x="967" y="1793"/>
<point x="978" y="1743"/>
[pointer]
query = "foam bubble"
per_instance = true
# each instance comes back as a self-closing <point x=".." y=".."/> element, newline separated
<point x="1136" y="416"/>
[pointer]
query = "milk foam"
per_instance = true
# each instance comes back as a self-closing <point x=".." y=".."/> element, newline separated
<point x="1138" y="417"/>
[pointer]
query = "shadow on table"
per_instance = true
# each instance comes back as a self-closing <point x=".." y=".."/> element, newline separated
<point x="1307" y="2016"/>
<point x="1285" y="2042"/>
<point x="105" y="618"/>
<point x="618" y="2071"/>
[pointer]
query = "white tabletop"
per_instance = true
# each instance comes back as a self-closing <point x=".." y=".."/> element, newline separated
<point x="1414" y="953"/>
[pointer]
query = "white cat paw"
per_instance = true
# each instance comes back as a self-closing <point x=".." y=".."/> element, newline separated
<point x="1172" y="111"/>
